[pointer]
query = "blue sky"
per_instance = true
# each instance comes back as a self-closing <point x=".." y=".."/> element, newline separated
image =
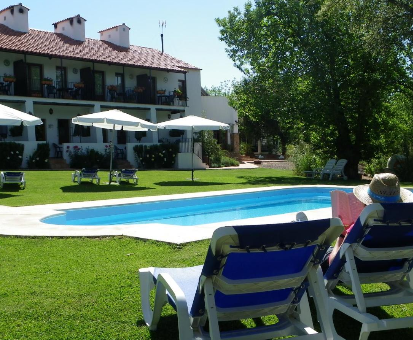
<point x="191" y="33"/>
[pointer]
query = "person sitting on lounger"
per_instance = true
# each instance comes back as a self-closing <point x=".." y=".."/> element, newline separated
<point x="383" y="188"/>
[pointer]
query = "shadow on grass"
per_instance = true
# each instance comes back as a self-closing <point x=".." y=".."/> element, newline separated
<point x="3" y="196"/>
<point x="168" y="327"/>
<point x="188" y="183"/>
<point x="11" y="187"/>
<point x="90" y="187"/>
<point x="287" y="180"/>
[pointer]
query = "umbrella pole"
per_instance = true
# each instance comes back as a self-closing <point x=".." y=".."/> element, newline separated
<point x="111" y="154"/>
<point x="193" y="150"/>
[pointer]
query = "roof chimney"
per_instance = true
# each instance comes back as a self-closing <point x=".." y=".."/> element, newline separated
<point x="118" y="35"/>
<point x="15" y="17"/>
<point x="73" y="27"/>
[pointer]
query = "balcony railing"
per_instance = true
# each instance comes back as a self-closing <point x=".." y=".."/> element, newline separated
<point x="83" y="91"/>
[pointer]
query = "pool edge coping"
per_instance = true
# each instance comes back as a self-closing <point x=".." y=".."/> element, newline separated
<point x="28" y="221"/>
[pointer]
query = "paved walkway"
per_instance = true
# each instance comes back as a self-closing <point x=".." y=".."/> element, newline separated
<point x="26" y="221"/>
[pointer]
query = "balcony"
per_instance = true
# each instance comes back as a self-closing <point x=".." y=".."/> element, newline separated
<point x="83" y="91"/>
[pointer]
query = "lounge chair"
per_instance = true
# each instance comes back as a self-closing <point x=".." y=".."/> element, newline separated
<point x="126" y="175"/>
<point x="91" y="174"/>
<point x="12" y="177"/>
<point x="320" y="172"/>
<point x="249" y="272"/>
<point x="327" y="168"/>
<point x="338" y="170"/>
<point x="378" y="249"/>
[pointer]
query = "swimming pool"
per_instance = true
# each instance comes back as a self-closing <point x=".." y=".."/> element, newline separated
<point x="201" y="210"/>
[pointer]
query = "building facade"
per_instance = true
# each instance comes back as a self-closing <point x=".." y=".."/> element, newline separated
<point x="61" y="74"/>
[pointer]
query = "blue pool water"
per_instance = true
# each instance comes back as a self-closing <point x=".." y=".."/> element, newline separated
<point x="195" y="211"/>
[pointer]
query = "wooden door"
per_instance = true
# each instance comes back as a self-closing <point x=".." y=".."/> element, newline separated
<point x="35" y="79"/>
<point x="99" y="81"/>
<point x="63" y="129"/>
<point x="20" y="72"/>
<point x="86" y="77"/>
<point x="149" y="85"/>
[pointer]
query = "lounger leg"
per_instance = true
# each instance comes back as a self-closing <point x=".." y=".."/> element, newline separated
<point x="364" y="333"/>
<point x="211" y="310"/>
<point x="325" y="315"/>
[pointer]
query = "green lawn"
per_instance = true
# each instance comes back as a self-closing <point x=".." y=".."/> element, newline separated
<point x="56" y="186"/>
<point x="88" y="288"/>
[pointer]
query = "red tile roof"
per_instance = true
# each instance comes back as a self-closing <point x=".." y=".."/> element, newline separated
<point x="57" y="45"/>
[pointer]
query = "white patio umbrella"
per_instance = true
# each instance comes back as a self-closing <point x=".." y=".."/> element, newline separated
<point x="114" y="120"/>
<point x="10" y="116"/>
<point x="194" y="124"/>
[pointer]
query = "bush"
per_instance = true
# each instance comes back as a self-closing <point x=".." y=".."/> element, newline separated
<point x="245" y="149"/>
<point x="304" y="158"/>
<point x="160" y="156"/>
<point x="228" y="161"/>
<point x="11" y="155"/>
<point x="89" y="158"/>
<point x="40" y="157"/>
<point x="376" y="165"/>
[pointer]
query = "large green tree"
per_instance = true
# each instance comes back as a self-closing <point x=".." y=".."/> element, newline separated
<point x="330" y="87"/>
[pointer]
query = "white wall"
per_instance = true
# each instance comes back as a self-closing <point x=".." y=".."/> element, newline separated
<point x="217" y="108"/>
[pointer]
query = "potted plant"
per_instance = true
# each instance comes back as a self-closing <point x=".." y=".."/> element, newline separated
<point x="47" y="81"/>
<point x="79" y="85"/>
<point x="139" y="89"/>
<point x="178" y="93"/>
<point x="112" y="88"/>
<point x="8" y="78"/>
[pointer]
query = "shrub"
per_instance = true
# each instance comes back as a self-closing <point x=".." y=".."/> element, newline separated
<point x="376" y="165"/>
<point x="40" y="157"/>
<point x="245" y="149"/>
<point x="11" y="155"/>
<point x="156" y="156"/>
<point x="304" y="158"/>
<point x="228" y="161"/>
<point x="89" y="158"/>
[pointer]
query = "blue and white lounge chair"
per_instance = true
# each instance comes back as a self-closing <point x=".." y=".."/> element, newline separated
<point x="378" y="249"/>
<point x="91" y="174"/>
<point x="12" y="177"/>
<point x="126" y="175"/>
<point x="249" y="271"/>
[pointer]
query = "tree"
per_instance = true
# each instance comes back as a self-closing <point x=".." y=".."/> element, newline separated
<point x="332" y="91"/>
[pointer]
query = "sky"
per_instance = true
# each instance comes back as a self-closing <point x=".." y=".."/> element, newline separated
<point x="191" y="33"/>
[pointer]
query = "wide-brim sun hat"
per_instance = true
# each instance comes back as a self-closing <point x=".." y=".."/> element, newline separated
<point x="383" y="188"/>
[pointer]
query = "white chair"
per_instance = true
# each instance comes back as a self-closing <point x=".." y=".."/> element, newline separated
<point x="338" y="170"/>
<point x="126" y="175"/>
<point x="90" y="174"/>
<point x="249" y="271"/>
<point x="378" y="249"/>
<point x="12" y="177"/>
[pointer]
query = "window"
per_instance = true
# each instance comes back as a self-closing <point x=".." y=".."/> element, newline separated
<point x="119" y="81"/>
<point x="61" y="79"/>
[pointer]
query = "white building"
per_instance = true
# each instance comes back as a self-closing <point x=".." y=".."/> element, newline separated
<point x="59" y="75"/>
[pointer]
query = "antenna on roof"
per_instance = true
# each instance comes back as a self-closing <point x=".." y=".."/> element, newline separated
<point x="162" y="24"/>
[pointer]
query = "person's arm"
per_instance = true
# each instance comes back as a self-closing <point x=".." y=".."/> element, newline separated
<point x="337" y="246"/>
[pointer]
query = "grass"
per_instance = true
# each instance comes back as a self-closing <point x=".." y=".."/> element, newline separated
<point x="88" y="288"/>
<point x="45" y="187"/>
